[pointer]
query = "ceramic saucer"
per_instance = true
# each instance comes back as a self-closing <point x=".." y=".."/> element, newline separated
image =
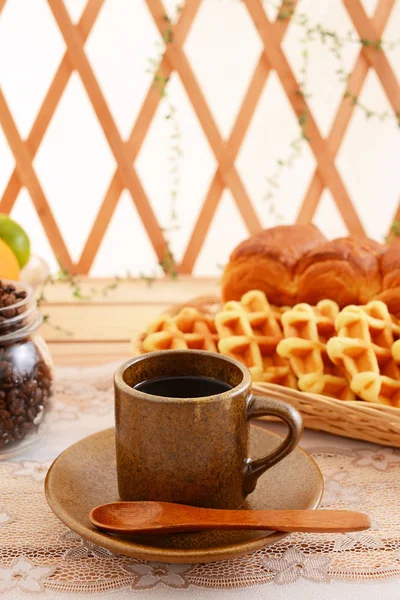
<point x="84" y="476"/>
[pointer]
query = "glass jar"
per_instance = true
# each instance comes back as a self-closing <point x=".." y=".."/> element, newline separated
<point x="26" y="373"/>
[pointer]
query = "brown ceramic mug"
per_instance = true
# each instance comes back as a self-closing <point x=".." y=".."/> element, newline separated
<point x="192" y="450"/>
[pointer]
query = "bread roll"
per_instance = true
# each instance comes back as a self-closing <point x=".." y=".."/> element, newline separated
<point x="266" y="262"/>
<point x="345" y="270"/>
<point x="390" y="271"/>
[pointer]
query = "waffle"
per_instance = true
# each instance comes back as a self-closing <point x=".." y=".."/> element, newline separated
<point x="307" y="330"/>
<point x="277" y="312"/>
<point x="396" y="351"/>
<point x="189" y="329"/>
<point x="318" y="321"/>
<point x="395" y="327"/>
<point x="363" y="348"/>
<point x="250" y="333"/>
<point x="378" y="310"/>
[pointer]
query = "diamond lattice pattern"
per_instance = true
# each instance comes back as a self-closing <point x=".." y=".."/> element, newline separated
<point x="223" y="180"/>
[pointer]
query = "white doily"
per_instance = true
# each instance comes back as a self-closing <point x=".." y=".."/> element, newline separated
<point x="38" y="553"/>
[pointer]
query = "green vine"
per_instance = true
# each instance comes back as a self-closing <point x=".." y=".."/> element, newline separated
<point x="297" y="144"/>
<point x="395" y="229"/>
<point x="167" y="262"/>
<point x="75" y="285"/>
<point x="334" y="42"/>
<point x="311" y="33"/>
<point x="176" y="154"/>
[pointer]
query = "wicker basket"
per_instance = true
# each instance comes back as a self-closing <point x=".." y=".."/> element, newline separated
<point x="357" y="419"/>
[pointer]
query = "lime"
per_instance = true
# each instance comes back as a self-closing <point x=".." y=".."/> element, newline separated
<point x="15" y="236"/>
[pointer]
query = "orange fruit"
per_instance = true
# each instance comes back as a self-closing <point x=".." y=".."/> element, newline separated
<point x="9" y="265"/>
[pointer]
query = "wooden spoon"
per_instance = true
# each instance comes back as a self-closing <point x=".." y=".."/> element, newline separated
<point x="165" y="517"/>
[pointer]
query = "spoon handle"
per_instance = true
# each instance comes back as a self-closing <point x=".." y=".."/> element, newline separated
<point x="164" y="517"/>
<point x="310" y="521"/>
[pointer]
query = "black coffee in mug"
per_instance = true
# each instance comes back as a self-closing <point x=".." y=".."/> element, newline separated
<point x="191" y="445"/>
<point x="185" y="386"/>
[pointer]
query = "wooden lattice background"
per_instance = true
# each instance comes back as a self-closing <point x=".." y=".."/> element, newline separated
<point x="226" y="175"/>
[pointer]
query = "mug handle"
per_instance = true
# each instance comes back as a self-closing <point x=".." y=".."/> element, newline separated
<point x="261" y="406"/>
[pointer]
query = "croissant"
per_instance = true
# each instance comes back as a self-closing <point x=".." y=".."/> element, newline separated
<point x="296" y="263"/>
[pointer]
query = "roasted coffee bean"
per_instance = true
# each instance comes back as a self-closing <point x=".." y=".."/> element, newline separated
<point x="17" y="407"/>
<point x="29" y="386"/>
<point x="46" y="383"/>
<point x="10" y="300"/>
<point x="4" y="414"/>
<point x="16" y="379"/>
<point x="31" y="413"/>
<point x="11" y="396"/>
<point x="40" y="371"/>
<point x="5" y="369"/>
<point x="38" y="396"/>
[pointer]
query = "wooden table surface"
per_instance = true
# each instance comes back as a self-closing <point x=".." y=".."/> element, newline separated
<point x="100" y="329"/>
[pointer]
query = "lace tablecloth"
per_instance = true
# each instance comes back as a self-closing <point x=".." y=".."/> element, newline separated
<point x="38" y="554"/>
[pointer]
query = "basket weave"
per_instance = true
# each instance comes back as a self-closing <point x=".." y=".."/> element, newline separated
<point x="356" y="419"/>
